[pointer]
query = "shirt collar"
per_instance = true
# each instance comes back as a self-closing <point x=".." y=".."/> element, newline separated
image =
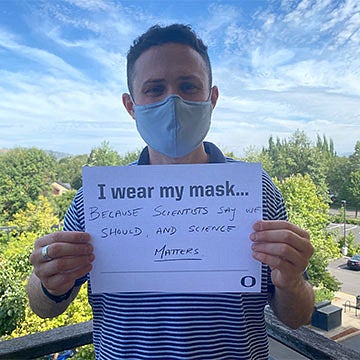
<point x="215" y="154"/>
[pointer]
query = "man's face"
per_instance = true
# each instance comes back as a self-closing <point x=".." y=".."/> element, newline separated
<point x="170" y="69"/>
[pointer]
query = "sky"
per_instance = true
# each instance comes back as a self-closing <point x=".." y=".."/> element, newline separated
<point x="280" y="65"/>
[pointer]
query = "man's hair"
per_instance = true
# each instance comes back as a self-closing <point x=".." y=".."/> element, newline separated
<point x="157" y="35"/>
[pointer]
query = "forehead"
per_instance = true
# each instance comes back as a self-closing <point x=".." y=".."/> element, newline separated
<point x="169" y="61"/>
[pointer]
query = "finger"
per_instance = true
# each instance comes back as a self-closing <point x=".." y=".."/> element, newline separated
<point x="275" y="262"/>
<point x="273" y="254"/>
<point x="285" y="237"/>
<point x="278" y="250"/>
<point x="264" y="225"/>
<point x="59" y="250"/>
<point x="63" y="266"/>
<point x="76" y="237"/>
<point x="60" y="283"/>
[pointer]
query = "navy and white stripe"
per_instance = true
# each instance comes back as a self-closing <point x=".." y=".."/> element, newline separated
<point x="182" y="326"/>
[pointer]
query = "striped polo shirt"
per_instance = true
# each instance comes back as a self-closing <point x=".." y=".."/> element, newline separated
<point x="167" y="326"/>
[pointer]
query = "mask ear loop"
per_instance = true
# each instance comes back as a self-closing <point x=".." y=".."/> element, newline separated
<point x="210" y="93"/>
<point x="131" y="98"/>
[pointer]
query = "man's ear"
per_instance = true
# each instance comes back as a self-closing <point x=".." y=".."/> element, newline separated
<point x="129" y="105"/>
<point x="214" y="96"/>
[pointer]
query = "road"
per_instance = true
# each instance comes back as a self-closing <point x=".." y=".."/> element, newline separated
<point x="350" y="279"/>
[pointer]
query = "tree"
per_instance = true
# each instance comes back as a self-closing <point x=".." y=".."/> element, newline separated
<point x="326" y="146"/>
<point x="35" y="220"/>
<point x="354" y="189"/>
<point x="253" y="155"/>
<point x="297" y="155"/>
<point x="24" y="175"/>
<point x="355" y="158"/>
<point x="308" y="210"/>
<point x="130" y="157"/>
<point x="103" y="155"/>
<point x="12" y="298"/>
<point x="63" y="202"/>
<point x="338" y="179"/>
<point x="69" y="170"/>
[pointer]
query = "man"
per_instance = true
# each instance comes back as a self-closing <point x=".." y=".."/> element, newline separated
<point x="171" y="98"/>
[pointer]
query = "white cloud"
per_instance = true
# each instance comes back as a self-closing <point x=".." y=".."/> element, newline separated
<point x="277" y="71"/>
<point x="90" y="4"/>
<point x="44" y="58"/>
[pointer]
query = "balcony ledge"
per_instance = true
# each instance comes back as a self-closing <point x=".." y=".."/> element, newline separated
<point x="303" y="340"/>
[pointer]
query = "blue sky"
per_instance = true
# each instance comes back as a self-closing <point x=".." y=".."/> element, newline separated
<point x="280" y="65"/>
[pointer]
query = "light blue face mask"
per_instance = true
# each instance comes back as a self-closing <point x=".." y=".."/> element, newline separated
<point x="174" y="127"/>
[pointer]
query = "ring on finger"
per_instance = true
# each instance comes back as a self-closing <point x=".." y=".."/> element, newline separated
<point x="44" y="253"/>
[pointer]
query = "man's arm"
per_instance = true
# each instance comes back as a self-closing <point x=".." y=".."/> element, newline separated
<point x="41" y="304"/>
<point x="51" y="287"/>
<point x="294" y="305"/>
<point x="286" y="249"/>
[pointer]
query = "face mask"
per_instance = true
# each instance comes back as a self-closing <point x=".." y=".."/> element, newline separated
<point x="174" y="127"/>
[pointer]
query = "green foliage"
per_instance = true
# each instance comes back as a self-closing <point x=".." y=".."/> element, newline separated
<point x="344" y="179"/>
<point x="69" y="170"/>
<point x="338" y="219"/>
<point x="130" y="157"/>
<point x="308" y="210"/>
<point x="353" y="247"/>
<point x="78" y="311"/>
<point x="34" y="221"/>
<point x="355" y="158"/>
<point x="37" y="217"/>
<point x="63" y="202"/>
<point x="254" y="155"/>
<point x="12" y="298"/>
<point x="297" y="155"/>
<point x="304" y="205"/>
<point x="24" y="175"/>
<point x="86" y="352"/>
<point x="323" y="294"/>
<point x="354" y="188"/>
<point x="103" y="155"/>
<point x="337" y="178"/>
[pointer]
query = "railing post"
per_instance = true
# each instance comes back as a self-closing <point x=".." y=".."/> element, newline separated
<point x="347" y="302"/>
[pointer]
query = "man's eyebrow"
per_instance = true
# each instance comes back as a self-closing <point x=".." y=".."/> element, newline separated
<point x="153" y="81"/>
<point x="160" y="80"/>
<point x="188" y="77"/>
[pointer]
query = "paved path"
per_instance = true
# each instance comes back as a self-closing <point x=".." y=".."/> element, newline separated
<point x="348" y="333"/>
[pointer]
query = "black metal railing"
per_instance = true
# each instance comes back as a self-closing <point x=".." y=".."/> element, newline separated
<point x="303" y="340"/>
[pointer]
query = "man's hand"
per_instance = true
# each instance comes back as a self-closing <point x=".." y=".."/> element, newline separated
<point x="286" y="249"/>
<point x="68" y="257"/>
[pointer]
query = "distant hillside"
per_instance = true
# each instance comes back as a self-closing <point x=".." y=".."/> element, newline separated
<point x="58" y="155"/>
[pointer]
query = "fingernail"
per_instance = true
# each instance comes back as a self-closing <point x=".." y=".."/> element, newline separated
<point x="257" y="226"/>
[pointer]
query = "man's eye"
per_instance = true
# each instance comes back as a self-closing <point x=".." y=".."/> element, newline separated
<point x="189" y="87"/>
<point x="155" y="91"/>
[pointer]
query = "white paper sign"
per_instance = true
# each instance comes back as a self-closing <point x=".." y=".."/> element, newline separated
<point x="173" y="228"/>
